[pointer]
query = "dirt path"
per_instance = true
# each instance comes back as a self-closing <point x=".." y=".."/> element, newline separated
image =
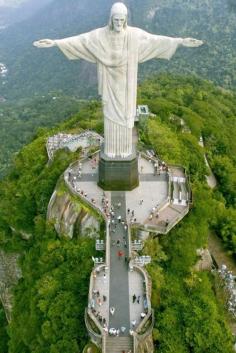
<point x="211" y="179"/>
<point x="217" y="250"/>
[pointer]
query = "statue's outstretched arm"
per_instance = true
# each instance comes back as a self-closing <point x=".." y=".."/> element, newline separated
<point x="44" y="43"/>
<point x="192" y="43"/>
<point x="161" y="47"/>
<point x="75" y="47"/>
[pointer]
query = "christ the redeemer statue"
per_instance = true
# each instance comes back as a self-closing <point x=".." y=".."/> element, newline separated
<point x="117" y="49"/>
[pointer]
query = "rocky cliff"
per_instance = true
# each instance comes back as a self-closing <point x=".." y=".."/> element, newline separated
<point x="71" y="218"/>
<point x="10" y="273"/>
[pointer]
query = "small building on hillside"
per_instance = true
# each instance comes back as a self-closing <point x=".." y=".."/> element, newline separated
<point x="142" y="112"/>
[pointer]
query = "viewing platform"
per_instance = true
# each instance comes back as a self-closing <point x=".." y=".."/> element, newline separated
<point x="161" y="200"/>
<point x="119" y="313"/>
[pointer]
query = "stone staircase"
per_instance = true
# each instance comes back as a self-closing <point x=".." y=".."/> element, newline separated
<point x="119" y="344"/>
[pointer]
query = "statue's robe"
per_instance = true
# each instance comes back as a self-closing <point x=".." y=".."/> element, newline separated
<point x="117" y="69"/>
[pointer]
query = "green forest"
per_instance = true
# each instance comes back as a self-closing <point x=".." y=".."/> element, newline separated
<point x="20" y="121"/>
<point x="50" y="298"/>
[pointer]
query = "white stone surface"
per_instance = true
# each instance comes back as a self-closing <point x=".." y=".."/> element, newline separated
<point x="101" y="284"/>
<point x="145" y="166"/>
<point x="151" y="192"/>
<point x="136" y="287"/>
<point x="117" y="49"/>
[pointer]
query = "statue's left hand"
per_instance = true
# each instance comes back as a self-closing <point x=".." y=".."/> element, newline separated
<point x="44" y="43"/>
<point x="192" y="43"/>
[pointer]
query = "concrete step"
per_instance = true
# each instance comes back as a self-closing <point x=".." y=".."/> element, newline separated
<point x="119" y="344"/>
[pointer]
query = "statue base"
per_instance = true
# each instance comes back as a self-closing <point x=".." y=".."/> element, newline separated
<point x="120" y="174"/>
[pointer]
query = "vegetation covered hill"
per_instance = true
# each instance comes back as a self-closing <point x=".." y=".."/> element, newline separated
<point x="50" y="300"/>
<point x="39" y="71"/>
<point x="20" y="121"/>
<point x="196" y="106"/>
<point x="13" y="11"/>
<point x="51" y="296"/>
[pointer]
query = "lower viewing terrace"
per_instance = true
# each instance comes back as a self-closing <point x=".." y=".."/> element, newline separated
<point x="119" y="313"/>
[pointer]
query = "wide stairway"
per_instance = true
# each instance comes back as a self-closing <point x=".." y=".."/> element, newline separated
<point x="119" y="344"/>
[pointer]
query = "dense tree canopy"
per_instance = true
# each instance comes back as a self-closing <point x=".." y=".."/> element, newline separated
<point x="49" y="300"/>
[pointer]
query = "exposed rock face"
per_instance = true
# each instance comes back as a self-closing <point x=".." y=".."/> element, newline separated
<point x="146" y="345"/>
<point x="205" y="262"/>
<point x="70" y="217"/>
<point x="10" y="273"/>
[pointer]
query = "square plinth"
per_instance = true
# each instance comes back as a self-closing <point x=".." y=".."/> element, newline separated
<point x="118" y="174"/>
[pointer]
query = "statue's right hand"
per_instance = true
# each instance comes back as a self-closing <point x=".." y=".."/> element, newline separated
<point x="44" y="43"/>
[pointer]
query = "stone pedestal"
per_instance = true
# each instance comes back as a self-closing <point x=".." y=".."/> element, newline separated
<point x="120" y="174"/>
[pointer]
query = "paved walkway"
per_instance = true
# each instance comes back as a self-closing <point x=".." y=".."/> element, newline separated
<point x="119" y="282"/>
<point x="151" y="192"/>
<point x="144" y="200"/>
<point x="129" y="207"/>
<point x="152" y="189"/>
<point x="136" y="288"/>
<point x="120" y="285"/>
<point x="100" y="300"/>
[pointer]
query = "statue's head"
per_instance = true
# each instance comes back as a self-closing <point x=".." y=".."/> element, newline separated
<point x="118" y="17"/>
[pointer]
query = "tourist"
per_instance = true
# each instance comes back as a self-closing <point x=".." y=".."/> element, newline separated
<point x="112" y="310"/>
<point x="133" y="323"/>
<point x="138" y="299"/>
<point x="112" y="331"/>
<point x="120" y="254"/>
<point x="128" y="210"/>
<point x="123" y="328"/>
<point x="134" y="298"/>
<point x="99" y="302"/>
<point x="142" y="315"/>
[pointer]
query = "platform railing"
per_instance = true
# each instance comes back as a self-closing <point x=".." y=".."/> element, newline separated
<point x="95" y="337"/>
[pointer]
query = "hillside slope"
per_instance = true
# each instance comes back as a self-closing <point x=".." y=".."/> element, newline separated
<point x="16" y="11"/>
<point x="50" y="298"/>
